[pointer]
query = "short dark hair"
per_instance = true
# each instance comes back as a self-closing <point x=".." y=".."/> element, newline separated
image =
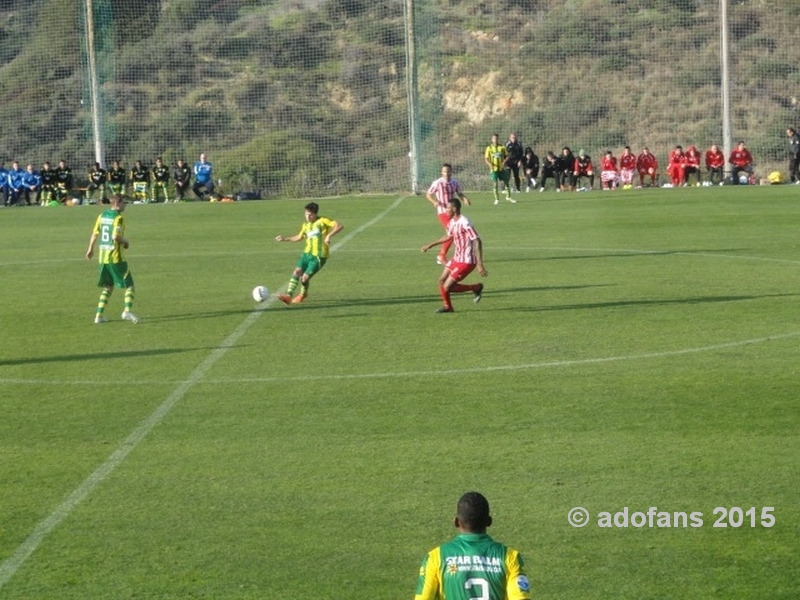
<point x="312" y="207"/>
<point x="455" y="202"/>
<point x="473" y="511"/>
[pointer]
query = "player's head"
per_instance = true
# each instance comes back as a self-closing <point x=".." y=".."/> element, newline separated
<point x="117" y="202"/>
<point x="454" y="206"/>
<point x="472" y="513"/>
<point x="495" y="137"/>
<point x="447" y="170"/>
<point x="312" y="210"/>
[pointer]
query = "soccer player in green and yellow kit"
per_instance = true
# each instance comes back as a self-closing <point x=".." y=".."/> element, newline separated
<point x="109" y="229"/>
<point x="472" y="565"/>
<point x="317" y="232"/>
<point x="496" y="157"/>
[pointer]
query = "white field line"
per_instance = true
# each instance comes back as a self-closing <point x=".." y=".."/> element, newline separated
<point x="435" y="372"/>
<point x="12" y="564"/>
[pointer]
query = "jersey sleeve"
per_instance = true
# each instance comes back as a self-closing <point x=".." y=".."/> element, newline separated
<point x="428" y="586"/>
<point x="517" y="584"/>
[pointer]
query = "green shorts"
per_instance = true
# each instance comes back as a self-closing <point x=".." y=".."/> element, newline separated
<point x="310" y="264"/>
<point x="500" y="175"/>
<point x="115" y="275"/>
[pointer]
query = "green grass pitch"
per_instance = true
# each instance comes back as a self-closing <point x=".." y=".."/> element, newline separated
<point x="633" y="349"/>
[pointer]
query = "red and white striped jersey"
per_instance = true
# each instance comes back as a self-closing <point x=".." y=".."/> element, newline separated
<point x="463" y="234"/>
<point x="444" y="190"/>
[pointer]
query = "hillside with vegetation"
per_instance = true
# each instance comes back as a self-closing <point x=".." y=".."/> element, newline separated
<point x="308" y="97"/>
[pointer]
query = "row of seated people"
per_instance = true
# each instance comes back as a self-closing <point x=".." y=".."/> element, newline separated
<point x="568" y="171"/>
<point x="160" y="183"/>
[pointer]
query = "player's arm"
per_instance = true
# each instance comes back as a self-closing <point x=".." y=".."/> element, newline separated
<point x="119" y="239"/>
<point x="92" y="242"/>
<point x="337" y="227"/>
<point x="517" y="584"/>
<point x="438" y="242"/>
<point x="464" y="198"/>
<point x="431" y="198"/>
<point x="294" y="238"/>
<point x="487" y="157"/>
<point x="428" y="582"/>
<point x="477" y="248"/>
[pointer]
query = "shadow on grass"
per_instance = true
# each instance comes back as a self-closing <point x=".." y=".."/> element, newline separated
<point x="96" y="356"/>
<point x="653" y="302"/>
<point x="623" y="254"/>
<point x="433" y="296"/>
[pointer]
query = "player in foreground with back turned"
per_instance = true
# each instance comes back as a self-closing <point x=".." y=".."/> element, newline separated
<point x="468" y="255"/>
<point x="317" y="232"/>
<point x="109" y="229"/>
<point x="472" y="565"/>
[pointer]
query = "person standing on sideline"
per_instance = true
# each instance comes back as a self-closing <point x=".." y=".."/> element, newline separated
<point x="467" y="256"/>
<point x="647" y="166"/>
<point x="514" y="160"/>
<point x="715" y="164"/>
<point x="439" y="194"/>
<point x="182" y="176"/>
<point x="109" y="229"/>
<point x="317" y="232"/>
<point x="794" y="155"/>
<point x="495" y="157"/>
<point x="742" y="162"/>
<point x="472" y="565"/>
<point x="203" y="177"/>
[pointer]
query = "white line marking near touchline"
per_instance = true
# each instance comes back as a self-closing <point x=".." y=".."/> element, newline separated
<point x="10" y="566"/>
<point x="432" y="372"/>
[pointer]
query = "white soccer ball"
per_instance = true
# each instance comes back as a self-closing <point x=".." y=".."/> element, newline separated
<point x="744" y="180"/>
<point x="260" y="293"/>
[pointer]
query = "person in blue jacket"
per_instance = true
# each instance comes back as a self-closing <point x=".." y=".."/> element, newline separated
<point x="203" y="177"/>
<point x="32" y="185"/>
<point x="15" y="184"/>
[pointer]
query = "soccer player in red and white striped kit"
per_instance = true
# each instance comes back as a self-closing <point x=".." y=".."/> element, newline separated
<point x="439" y="194"/>
<point x="468" y="256"/>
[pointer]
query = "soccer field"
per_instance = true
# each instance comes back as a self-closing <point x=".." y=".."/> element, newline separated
<point x="635" y="354"/>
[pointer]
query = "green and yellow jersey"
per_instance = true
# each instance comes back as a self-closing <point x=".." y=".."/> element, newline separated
<point x="472" y="567"/>
<point x="108" y="227"/>
<point x="314" y="234"/>
<point x="496" y="155"/>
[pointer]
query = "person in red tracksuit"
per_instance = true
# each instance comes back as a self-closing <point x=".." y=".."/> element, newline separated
<point x="715" y="164"/>
<point x="647" y="165"/>
<point x="676" y="165"/>
<point x="609" y="175"/>
<point x="741" y="161"/>
<point x="627" y="167"/>
<point x="692" y="166"/>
